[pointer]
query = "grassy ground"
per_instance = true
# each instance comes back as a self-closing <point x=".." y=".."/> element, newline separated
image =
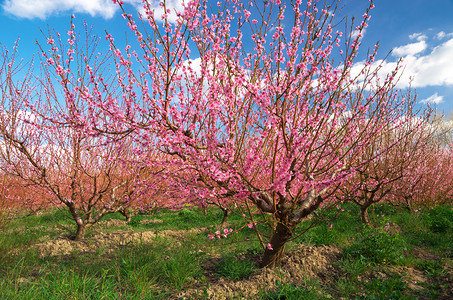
<point x="408" y="256"/>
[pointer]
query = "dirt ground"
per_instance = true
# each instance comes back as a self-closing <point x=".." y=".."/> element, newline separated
<point x="105" y="241"/>
<point x="302" y="263"/>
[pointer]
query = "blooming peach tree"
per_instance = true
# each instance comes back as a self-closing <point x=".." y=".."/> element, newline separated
<point x="258" y="101"/>
<point x="86" y="174"/>
<point x="17" y="199"/>
<point x="427" y="178"/>
<point x="386" y="161"/>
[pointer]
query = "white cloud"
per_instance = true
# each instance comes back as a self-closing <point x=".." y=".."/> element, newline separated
<point x="436" y="99"/>
<point x="434" y="68"/>
<point x="441" y="35"/>
<point x="192" y="66"/>
<point x="418" y="36"/>
<point x="410" y="49"/>
<point x="43" y="8"/>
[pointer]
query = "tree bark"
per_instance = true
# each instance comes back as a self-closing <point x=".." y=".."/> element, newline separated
<point x="126" y="214"/>
<point x="408" y="205"/>
<point x="81" y="230"/>
<point x="364" y="214"/>
<point x="204" y="209"/>
<point x="226" y="213"/>
<point x="281" y="235"/>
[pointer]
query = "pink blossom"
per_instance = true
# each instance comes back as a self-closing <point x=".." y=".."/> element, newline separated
<point x="247" y="14"/>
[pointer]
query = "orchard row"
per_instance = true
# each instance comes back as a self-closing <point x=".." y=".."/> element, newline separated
<point x="221" y="106"/>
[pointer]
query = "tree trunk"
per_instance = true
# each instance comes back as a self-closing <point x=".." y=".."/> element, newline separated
<point x="128" y="218"/>
<point x="81" y="230"/>
<point x="278" y="241"/>
<point x="204" y="209"/>
<point x="408" y="205"/>
<point x="126" y="214"/>
<point x="364" y="214"/>
<point x="226" y="213"/>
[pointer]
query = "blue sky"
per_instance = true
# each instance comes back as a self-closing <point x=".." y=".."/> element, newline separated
<point x="421" y="31"/>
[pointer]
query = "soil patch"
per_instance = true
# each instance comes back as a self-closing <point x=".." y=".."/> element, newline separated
<point x="106" y="242"/>
<point x="421" y="253"/>
<point x="304" y="262"/>
<point x="412" y="277"/>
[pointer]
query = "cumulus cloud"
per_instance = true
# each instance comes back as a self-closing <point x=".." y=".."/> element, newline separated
<point x="434" y="68"/>
<point x="44" y="8"/>
<point x="420" y="69"/>
<point x="418" y="36"/>
<point x="410" y="49"/>
<point x="441" y="35"/>
<point x="435" y="99"/>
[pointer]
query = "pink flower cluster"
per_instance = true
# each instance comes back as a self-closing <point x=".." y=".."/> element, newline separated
<point x="219" y="234"/>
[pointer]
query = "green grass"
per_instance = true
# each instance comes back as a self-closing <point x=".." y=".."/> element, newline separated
<point x="387" y="288"/>
<point x="181" y="219"/>
<point x="430" y="267"/>
<point x="376" y="246"/>
<point x="440" y="219"/>
<point x="170" y="264"/>
<point x="372" y="250"/>
<point x="233" y="268"/>
<point x="138" y="271"/>
<point x="337" y="227"/>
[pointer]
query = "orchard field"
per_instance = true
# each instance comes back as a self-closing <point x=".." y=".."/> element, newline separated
<point x="167" y="255"/>
<point x="230" y="149"/>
